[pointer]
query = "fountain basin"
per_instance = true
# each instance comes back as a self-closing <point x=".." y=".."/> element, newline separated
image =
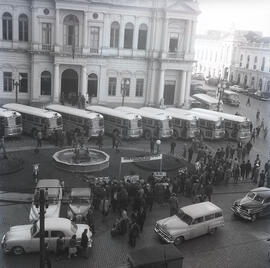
<point x="88" y="160"/>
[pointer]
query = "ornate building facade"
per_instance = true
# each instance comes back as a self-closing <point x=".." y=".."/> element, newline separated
<point x="241" y="57"/>
<point x="50" y="50"/>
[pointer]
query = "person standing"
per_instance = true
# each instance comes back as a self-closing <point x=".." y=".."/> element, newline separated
<point x="39" y="139"/>
<point x="152" y="145"/>
<point x="84" y="243"/>
<point x="47" y="258"/>
<point x="248" y="169"/>
<point x="261" y="179"/>
<point x="190" y="154"/>
<point x="258" y="115"/>
<point x="141" y="218"/>
<point x="100" y="140"/>
<point x="236" y="174"/>
<point x="117" y="144"/>
<point x="265" y="131"/>
<point x="249" y="147"/>
<point x="174" y="206"/>
<point x="72" y="249"/>
<point x="2" y="146"/>
<point x="60" y="247"/>
<point x="243" y="169"/>
<point x="208" y="191"/>
<point x="133" y="233"/>
<point x="173" y="145"/>
<point x="248" y="102"/>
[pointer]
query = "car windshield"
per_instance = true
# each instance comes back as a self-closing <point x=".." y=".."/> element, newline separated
<point x="184" y="217"/>
<point x="255" y="197"/>
<point x="74" y="227"/>
<point x="80" y="200"/>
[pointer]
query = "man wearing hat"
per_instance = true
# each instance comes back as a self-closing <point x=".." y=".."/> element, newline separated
<point x="173" y="202"/>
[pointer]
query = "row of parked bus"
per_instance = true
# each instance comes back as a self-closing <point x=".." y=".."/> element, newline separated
<point x="127" y="122"/>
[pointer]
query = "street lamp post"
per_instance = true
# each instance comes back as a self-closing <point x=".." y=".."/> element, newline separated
<point x="124" y="85"/>
<point x="221" y="88"/>
<point x="17" y="85"/>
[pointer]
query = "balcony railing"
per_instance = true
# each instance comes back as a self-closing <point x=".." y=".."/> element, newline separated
<point x="71" y="50"/>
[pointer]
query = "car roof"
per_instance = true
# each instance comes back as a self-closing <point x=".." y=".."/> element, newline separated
<point x="51" y="223"/>
<point x="263" y="191"/>
<point x="52" y="185"/>
<point x="201" y="209"/>
<point x="81" y="192"/>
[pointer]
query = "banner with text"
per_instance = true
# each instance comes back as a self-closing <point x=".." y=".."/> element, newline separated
<point x="145" y="158"/>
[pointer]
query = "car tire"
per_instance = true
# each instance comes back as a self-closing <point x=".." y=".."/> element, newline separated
<point x="179" y="240"/>
<point x="17" y="250"/>
<point x="212" y="231"/>
<point x="253" y="217"/>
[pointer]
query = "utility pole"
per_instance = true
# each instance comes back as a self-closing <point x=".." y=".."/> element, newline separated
<point x="42" y="227"/>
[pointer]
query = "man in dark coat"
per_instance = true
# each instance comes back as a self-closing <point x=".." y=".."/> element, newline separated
<point x="84" y="244"/>
<point x="190" y="154"/>
<point x="133" y="234"/>
<point x="208" y="191"/>
<point x="173" y="202"/>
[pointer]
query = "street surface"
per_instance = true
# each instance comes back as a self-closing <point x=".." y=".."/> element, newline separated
<point x="239" y="244"/>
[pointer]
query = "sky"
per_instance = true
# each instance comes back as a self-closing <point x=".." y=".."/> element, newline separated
<point x="225" y="15"/>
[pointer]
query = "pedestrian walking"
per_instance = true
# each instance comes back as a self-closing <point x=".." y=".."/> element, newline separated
<point x="250" y="127"/>
<point x="72" y="249"/>
<point x="117" y="144"/>
<point x="248" y="102"/>
<point x="258" y="115"/>
<point x="249" y="147"/>
<point x="105" y="205"/>
<point x="190" y="154"/>
<point x="173" y="202"/>
<point x="60" y="248"/>
<point x="133" y="233"/>
<point x="84" y="244"/>
<point x="258" y="130"/>
<point x="47" y="257"/>
<point x="173" y="145"/>
<point x="90" y="219"/>
<point x="262" y="124"/>
<point x="253" y="134"/>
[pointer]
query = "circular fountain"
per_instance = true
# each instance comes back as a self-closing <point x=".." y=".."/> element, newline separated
<point x="81" y="160"/>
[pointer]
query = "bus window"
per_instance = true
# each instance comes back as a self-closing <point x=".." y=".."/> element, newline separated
<point x="101" y="122"/>
<point x="29" y="117"/>
<point x="18" y="120"/>
<point x="139" y="123"/>
<point x="59" y="121"/>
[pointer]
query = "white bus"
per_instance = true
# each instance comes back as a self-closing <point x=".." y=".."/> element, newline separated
<point x="211" y="126"/>
<point x="231" y="98"/>
<point x="36" y="119"/>
<point x="184" y="124"/>
<point x="10" y="123"/>
<point x="118" y="123"/>
<point x="153" y="125"/>
<point x="208" y="102"/>
<point x="90" y="124"/>
<point x="236" y="127"/>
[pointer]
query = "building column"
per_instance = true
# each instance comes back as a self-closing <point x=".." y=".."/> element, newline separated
<point x="85" y="30"/>
<point x="102" y="93"/>
<point x="135" y="35"/>
<point x="193" y="35"/>
<point x="161" y="85"/>
<point x="121" y="33"/>
<point x="182" y="88"/>
<point x="188" y="36"/>
<point x="187" y="88"/>
<point x="57" y="31"/>
<point x="84" y="81"/>
<point x="164" y="37"/>
<point x="56" y="89"/>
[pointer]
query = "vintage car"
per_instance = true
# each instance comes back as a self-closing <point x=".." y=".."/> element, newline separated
<point x="26" y="238"/>
<point x="264" y="96"/>
<point x="237" y="88"/>
<point x="191" y="221"/>
<point x="80" y="202"/>
<point x="255" y="204"/>
<point x="54" y="193"/>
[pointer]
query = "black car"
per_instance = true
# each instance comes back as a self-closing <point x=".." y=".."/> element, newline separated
<point x="255" y="204"/>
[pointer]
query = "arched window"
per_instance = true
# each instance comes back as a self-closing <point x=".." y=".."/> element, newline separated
<point x="71" y="30"/>
<point x="252" y="82"/>
<point x="142" y="38"/>
<point x="248" y="59"/>
<point x="7" y="26"/>
<point x="245" y="80"/>
<point x="45" y="83"/>
<point x="260" y="84"/>
<point x="128" y="39"/>
<point x="255" y="63"/>
<point x="23" y="27"/>
<point x="238" y="79"/>
<point x="114" y="38"/>
<point x="263" y="64"/>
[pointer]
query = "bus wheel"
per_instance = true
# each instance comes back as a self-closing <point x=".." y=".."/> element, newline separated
<point x="34" y="133"/>
<point x="175" y="134"/>
<point x="147" y="135"/>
